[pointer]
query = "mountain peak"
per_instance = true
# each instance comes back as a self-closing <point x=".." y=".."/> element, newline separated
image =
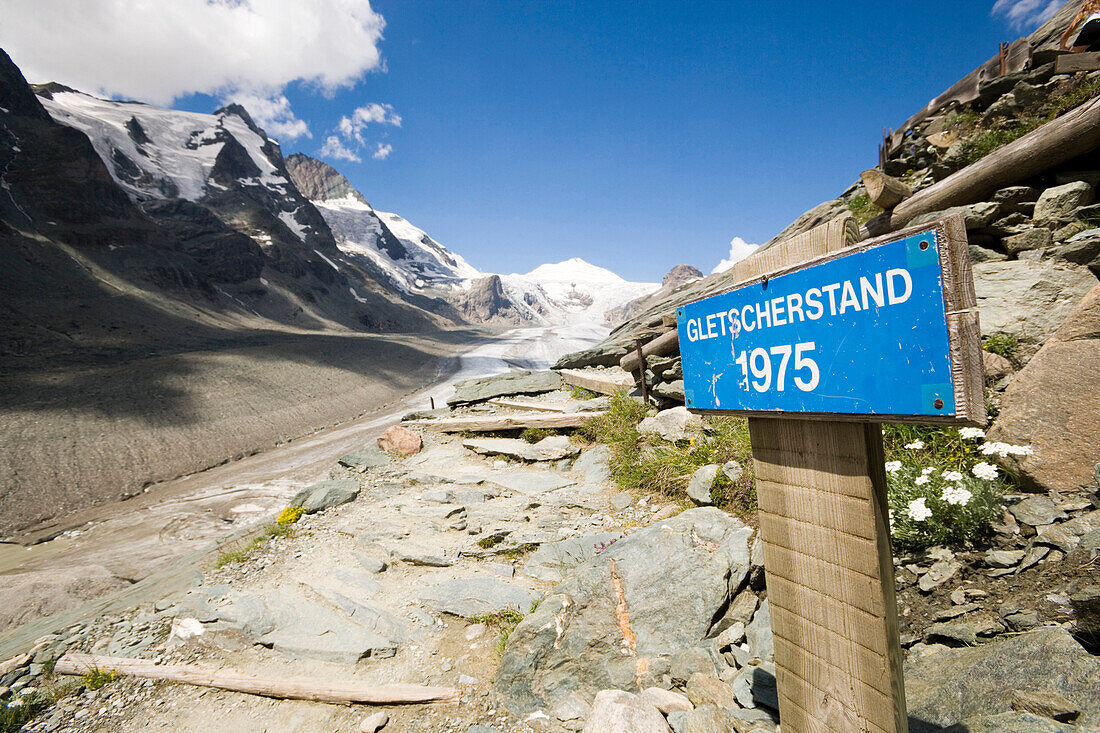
<point x="319" y="181"/>
<point x="574" y="269"/>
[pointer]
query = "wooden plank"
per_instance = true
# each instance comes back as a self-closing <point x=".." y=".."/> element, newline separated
<point x="605" y="381"/>
<point x="524" y="405"/>
<point x="490" y="423"/>
<point x="664" y="345"/>
<point x="288" y="688"/>
<point x="837" y="656"/>
<point x="1075" y="133"/>
<point x="1071" y="63"/>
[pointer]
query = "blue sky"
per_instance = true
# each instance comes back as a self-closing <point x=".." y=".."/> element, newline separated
<point x="636" y="135"/>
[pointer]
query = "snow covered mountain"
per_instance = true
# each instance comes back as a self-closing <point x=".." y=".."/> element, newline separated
<point x="573" y="292"/>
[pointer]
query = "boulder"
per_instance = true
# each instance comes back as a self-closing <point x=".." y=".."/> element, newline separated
<point x="1037" y="238"/>
<point x="617" y="620"/>
<point x="1086" y="609"/>
<point x="673" y="390"/>
<point x="946" y="687"/>
<point x="702" y="689"/>
<point x="553" y="448"/>
<point x="366" y="458"/>
<point x="1036" y="511"/>
<point x="755" y="686"/>
<point x="702" y="481"/>
<point x="1029" y="300"/>
<point x="1059" y="202"/>
<point x="593" y="463"/>
<point x="606" y="354"/>
<point x="326" y="494"/>
<point x="513" y="383"/>
<point x="468" y="597"/>
<point x="401" y="441"/>
<point x="759" y="634"/>
<point x="995" y="366"/>
<point x="977" y="216"/>
<point x="1083" y="250"/>
<point x="1051" y="404"/>
<point x="672" y="425"/>
<point x="554" y="559"/>
<point x="615" y="711"/>
<point x="666" y="701"/>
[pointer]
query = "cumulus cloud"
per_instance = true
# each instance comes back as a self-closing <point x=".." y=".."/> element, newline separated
<point x="739" y="250"/>
<point x="351" y="126"/>
<point x="230" y="49"/>
<point x="335" y="148"/>
<point x="382" y="152"/>
<point x="1026" y="14"/>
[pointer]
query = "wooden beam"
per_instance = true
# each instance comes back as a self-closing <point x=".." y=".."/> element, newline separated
<point x="287" y="688"/>
<point x="1071" y="63"/>
<point x="1075" y="133"/>
<point x="604" y="381"/>
<point x="664" y="345"/>
<point x="524" y="405"/>
<point x="492" y="423"/>
<point x="883" y="190"/>
<point x="843" y="670"/>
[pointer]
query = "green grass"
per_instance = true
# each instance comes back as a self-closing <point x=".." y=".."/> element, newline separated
<point x="504" y="622"/>
<point x="518" y="550"/>
<point x="1002" y="344"/>
<point x="486" y="543"/>
<point x="534" y="435"/>
<point x="20" y="710"/>
<point x="862" y="208"/>
<point x="983" y="143"/>
<point x="580" y="393"/>
<point x="241" y="551"/>
<point x="648" y="465"/>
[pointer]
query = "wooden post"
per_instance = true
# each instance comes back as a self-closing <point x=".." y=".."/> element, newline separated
<point x="641" y="371"/>
<point x="821" y="486"/>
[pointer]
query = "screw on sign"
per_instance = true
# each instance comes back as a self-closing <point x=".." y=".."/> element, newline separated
<point x="824" y="338"/>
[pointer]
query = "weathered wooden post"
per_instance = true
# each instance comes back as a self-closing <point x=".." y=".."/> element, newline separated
<point x="824" y="338"/>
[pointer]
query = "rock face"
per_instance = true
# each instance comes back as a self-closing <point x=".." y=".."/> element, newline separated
<point x="319" y="180"/>
<point x="946" y="687"/>
<point x="1027" y="299"/>
<point x="617" y="620"/>
<point x="468" y="597"/>
<point x="1051" y="404"/>
<point x="513" y="383"/>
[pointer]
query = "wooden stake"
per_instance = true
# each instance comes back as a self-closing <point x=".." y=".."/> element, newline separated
<point x="883" y="190"/>
<point x="830" y="573"/>
<point x="432" y="401"/>
<point x="288" y="688"/>
<point x="665" y="344"/>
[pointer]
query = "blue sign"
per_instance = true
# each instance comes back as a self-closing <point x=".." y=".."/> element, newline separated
<point x="862" y="334"/>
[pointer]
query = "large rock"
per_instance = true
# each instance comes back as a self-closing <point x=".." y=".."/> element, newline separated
<point x="553" y="560"/>
<point x="594" y="464"/>
<point x="946" y="687"/>
<point x="1029" y="300"/>
<point x="617" y="620"/>
<point x="615" y="711"/>
<point x="468" y="597"/>
<point x="522" y="382"/>
<point x="702" y="481"/>
<point x="1059" y="202"/>
<point x="672" y="425"/>
<point x="553" y="448"/>
<point x="1051" y="404"/>
<point x="400" y="440"/>
<point x="326" y="494"/>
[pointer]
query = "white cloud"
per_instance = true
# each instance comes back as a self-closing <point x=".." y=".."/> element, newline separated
<point x="382" y="152"/>
<point x="382" y="114"/>
<point x="335" y="148"/>
<point x="1026" y="14"/>
<point x="231" y="49"/>
<point x="272" y="113"/>
<point x="739" y="250"/>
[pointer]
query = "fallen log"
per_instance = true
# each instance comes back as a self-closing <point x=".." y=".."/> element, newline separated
<point x="523" y="405"/>
<point x="1075" y="133"/>
<point x="883" y="190"/>
<point x="287" y="688"/>
<point x="604" y="381"/>
<point x="492" y="423"/>
<point x="664" y="345"/>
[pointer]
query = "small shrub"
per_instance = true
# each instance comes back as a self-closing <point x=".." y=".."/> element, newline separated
<point x="518" y="550"/>
<point x="491" y="541"/>
<point x="942" y="487"/>
<point x="862" y="208"/>
<point x="290" y="515"/>
<point x="534" y="435"/>
<point x="1003" y="344"/>
<point x="96" y="678"/>
<point x="241" y="552"/>
<point x="20" y="710"/>
<point x="504" y="622"/>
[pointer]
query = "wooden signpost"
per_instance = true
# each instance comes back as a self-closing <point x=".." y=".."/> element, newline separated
<point x="825" y="338"/>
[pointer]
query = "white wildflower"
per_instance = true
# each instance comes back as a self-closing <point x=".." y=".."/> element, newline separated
<point x="952" y="475"/>
<point x="956" y="495"/>
<point x="915" y="445"/>
<point x="921" y="480"/>
<point x="1006" y="449"/>
<point x="985" y="470"/>
<point x="890" y="513"/>
<point x="926" y="471"/>
<point x="893" y="466"/>
<point x="918" y="512"/>
<point x="971" y="433"/>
